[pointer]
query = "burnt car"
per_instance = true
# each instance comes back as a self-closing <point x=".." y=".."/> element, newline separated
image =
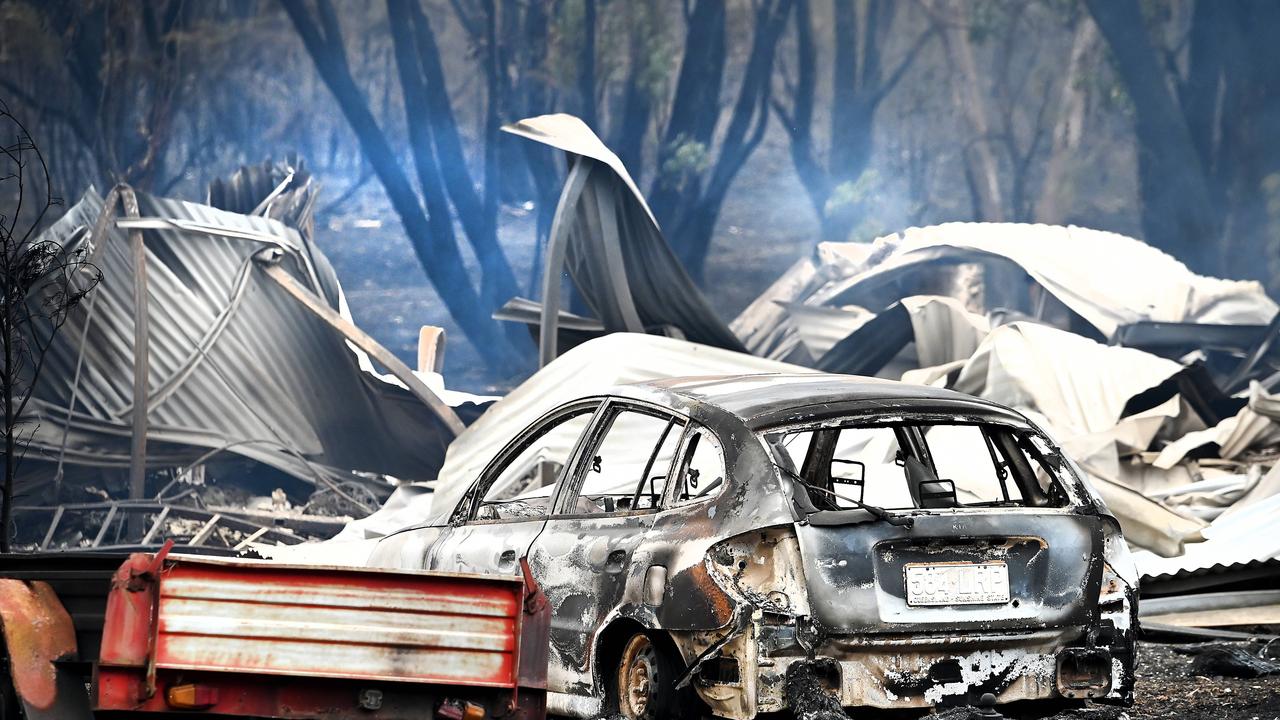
<point x="738" y="544"/>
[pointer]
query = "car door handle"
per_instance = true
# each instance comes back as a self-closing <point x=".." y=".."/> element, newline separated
<point x="615" y="561"/>
<point x="507" y="560"/>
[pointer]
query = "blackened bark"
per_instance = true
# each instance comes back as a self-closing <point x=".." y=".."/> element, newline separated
<point x="1178" y="214"/>
<point x="636" y="105"/>
<point x="859" y="84"/>
<point x="477" y="212"/>
<point x="695" y="110"/>
<point x="587" y="67"/>
<point x="439" y="256"/>
<point x="686" y="203"/>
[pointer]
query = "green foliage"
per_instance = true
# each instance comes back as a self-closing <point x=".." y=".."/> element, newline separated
<point x="852" y="194"/>
<point x="988" y="19"/>
<point x="683" y="160"/>
<point x="656" y="56"/>
<point x="866" y="206"/>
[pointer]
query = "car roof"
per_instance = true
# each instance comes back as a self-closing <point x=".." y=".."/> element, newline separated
<point x="767" y="399"/>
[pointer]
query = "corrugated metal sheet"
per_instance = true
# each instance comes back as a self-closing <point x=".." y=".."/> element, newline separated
<point x="1245" y="538"/>
<point x="235" y="362"/>
<point x="330" y="623"/>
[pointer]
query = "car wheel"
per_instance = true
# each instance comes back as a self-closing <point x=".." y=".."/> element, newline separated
<point x="644" y="683"/>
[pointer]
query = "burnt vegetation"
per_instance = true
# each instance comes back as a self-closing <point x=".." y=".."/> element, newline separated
<point x="40" y="283"/>
<point x="857" y="118"/>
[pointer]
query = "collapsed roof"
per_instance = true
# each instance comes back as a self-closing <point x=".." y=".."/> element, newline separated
<point x="251" y="352"/>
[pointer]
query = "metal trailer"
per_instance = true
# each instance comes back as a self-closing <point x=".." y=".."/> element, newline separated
<point x="241" y="638"/>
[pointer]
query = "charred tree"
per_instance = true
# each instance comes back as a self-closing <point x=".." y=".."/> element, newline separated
<point x="41" y="282"/>
<point x="1178" y="215"/>
<point x="124" y="86"/>
<point x="424" y="218"/>
<point x="860" y="82"/>
<point x="1208" y="166"/>
<point x="690" y="184"/>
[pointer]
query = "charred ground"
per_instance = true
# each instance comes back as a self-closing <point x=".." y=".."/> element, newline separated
<point x="1167" y="690"/>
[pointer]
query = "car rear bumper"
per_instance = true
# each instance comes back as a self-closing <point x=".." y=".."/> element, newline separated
<point x="914" y="671"/>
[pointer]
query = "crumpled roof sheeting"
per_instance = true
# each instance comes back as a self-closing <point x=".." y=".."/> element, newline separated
<point x="1243" y="537"/>
<point x="1108" y="279"/>
<point x="646" y="285"/>
<point x="1251" y="427"/>
<point x="1077" y="386"/>
<point x="275" y="384"/>
<point x="1079" y="390"/>
<point x="765" y="325"/>
<point x="942" y="330"/>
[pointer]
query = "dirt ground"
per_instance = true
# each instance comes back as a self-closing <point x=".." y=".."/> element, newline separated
<point x="1166" y="690"/>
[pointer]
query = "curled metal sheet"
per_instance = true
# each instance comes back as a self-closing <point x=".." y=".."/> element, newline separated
<point x="607" y="239"/>
<point x="236" y="363"/>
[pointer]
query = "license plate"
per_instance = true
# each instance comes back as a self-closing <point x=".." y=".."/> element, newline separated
<point x="957" y="583"/>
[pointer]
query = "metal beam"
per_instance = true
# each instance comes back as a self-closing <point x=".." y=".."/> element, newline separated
<point x="141" y="360"/>
<point x="557" y="244"/>
<point x="269" y="262"/>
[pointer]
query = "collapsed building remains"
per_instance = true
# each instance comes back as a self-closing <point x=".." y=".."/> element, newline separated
<point x="250" y="369"/>
<point x="1161" y="383"/>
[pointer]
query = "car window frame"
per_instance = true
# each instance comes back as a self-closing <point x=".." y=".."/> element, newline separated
<point x="684" y="456"/>
<point x="469" y="507"/>
<point x="1070" y="487"/>
<point x="569" y="485"/>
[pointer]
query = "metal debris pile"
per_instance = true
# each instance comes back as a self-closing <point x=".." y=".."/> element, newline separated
<point x="1159" y="383"/>
<point x="262" y="418"/>
<point x="1162" y="384"/>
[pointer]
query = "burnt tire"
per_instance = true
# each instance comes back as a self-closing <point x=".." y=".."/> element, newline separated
<point x="643" y="683"/>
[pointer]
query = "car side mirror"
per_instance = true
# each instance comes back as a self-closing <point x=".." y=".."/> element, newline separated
<point x="595" y="464"/>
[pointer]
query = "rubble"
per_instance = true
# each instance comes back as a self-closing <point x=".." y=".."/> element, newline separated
<point x="255" y="377"/>
<point x="1158" y="383"/>
<point x="606" y="238"/>
<point x="1231" y="661"/>
<point x="1162" y="386"/>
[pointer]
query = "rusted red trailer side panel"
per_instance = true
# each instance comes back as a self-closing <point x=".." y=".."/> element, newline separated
<point x="273" y="640"/>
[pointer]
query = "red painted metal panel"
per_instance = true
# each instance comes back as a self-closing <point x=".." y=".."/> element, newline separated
<point x="290" y="641"/>
<point x="126" y="630"/>
<point x="267" y="696"/>
<point x="36" y="631"/>
<point x="313" y="622"/>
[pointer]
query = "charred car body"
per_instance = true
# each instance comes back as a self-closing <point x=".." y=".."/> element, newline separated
<point x="899" y="546"/>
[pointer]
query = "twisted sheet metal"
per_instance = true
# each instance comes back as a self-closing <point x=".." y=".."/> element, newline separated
<point x="235" y="362"/>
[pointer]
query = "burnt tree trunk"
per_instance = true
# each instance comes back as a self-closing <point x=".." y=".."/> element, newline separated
<point x="859" y="84"/>
<point x="439" y="256"/>
<point x="1178" y="212"/>
<point x="690" y="186"/>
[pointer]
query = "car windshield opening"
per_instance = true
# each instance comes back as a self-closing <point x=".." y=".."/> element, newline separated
<point x="919" y="465"/>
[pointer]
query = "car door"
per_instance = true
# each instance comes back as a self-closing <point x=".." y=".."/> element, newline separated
<point x="585" y="557"/>
<point x="506" y="507"/>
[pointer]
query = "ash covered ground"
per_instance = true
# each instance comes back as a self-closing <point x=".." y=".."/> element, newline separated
<point x="1167" y="690"/>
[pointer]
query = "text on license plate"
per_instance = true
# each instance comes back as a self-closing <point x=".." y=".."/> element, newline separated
<point x="957" y="583"/>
